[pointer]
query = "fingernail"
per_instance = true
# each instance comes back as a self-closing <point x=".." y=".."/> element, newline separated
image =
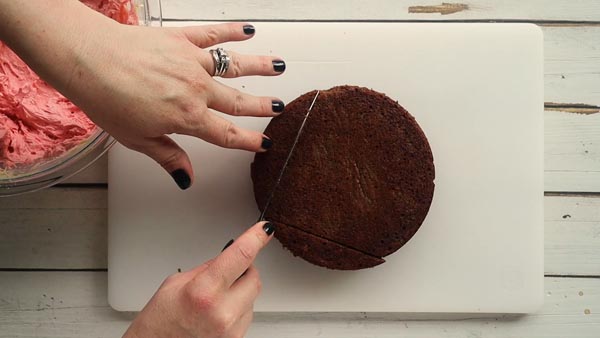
<point x="266" y="143"/>
<point x="249" y="29"/>
<point x="277" y="106"/>
<point x="181" y="178"/>
<point x="269" y="228"/>
<point x="227" y="245"/>
<point x="279" y="66"/>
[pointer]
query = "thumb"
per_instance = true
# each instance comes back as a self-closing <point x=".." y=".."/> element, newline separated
<point x="171" y="157"/>
<point x="238" y="257"/>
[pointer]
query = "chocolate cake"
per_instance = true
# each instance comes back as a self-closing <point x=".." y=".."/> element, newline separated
<point x="358" y="185"/>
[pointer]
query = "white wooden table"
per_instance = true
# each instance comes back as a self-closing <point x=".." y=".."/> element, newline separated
<point x="53" y="243"/>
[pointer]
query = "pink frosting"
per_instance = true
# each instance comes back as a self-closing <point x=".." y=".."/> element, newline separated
<point x="122" y="11"/>
<point x="36" y="121"/>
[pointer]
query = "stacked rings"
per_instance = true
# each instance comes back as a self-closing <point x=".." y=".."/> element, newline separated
<point x="221" y="59"/>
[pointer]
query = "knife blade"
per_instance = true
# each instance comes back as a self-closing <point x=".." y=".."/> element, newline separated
<point x="272" y="193"/>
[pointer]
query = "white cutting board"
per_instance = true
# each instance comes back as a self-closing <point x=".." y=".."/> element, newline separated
<point x="477" y="92"/>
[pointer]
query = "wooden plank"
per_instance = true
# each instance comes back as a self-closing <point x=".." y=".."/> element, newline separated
<point x="56" y="228"/>
<point x="572" y="235"/>
<point x="572" y="64"/>
<point x="73" y="304"/>
<point x="571" y="152"/>
<point x="574" y="181"/>
<point x="581" y="10"/>
<point x="58" y="198"/>
<point x="65" y="228"/>
<point x="57" y="304"/>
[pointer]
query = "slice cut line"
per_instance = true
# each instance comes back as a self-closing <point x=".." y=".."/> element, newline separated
<point x="321" y="251"/>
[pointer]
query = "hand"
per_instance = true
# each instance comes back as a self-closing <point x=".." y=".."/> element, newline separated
<point x="140" y="84"/>
<point x="212" y="300"/>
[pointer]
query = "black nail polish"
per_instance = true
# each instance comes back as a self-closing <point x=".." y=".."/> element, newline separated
<point x="266" y="143"/>
<point x="249" y="29"/>
<point x="277" y="106"/>
<point x="269" y="228"/>
<point x="279" y="66"/>
<point x="227" y="245"/>
<point x="181" y="178"/>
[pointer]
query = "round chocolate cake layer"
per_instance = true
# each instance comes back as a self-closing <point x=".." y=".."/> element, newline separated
<point x="360" y="177"/>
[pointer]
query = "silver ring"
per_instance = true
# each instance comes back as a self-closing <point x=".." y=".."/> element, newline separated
<point x="221" y="59"/>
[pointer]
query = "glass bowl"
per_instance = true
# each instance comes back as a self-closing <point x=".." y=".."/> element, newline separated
<point x="55" y="170"/>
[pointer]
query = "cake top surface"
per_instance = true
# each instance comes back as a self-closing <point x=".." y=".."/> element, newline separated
<point x="361" y="175"/>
